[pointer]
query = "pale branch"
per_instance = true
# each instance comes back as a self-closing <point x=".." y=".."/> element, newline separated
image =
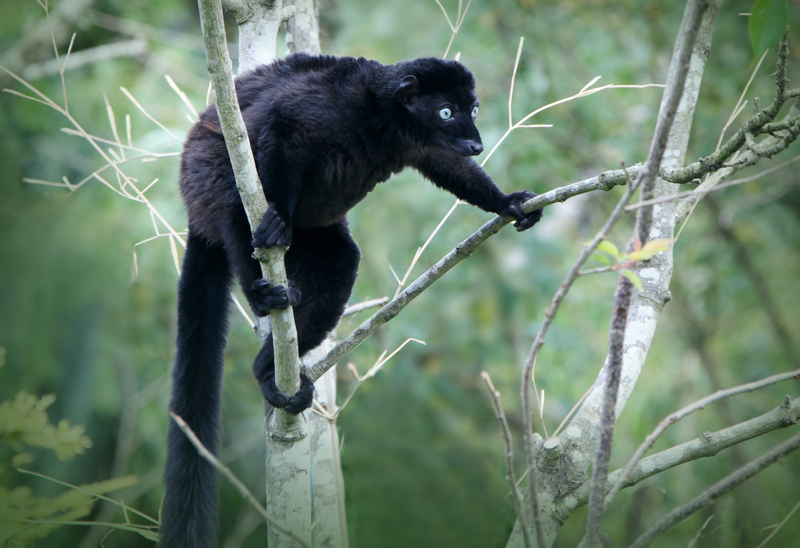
<point x="707" y="445"/>
<point x="605" y="181"/>
<point x="552" y="310"/>
<point x="236" y="140"/>
<point x="258" y="22"/>
<point x="752" y="126"/>
<point x="225" y="471"/>
<point x="672" y="418"/>
<point x="508" y="455"/>
<point x="673" y="94"/>
<point x="711" y="494"/>
<point x="739" y="161"/>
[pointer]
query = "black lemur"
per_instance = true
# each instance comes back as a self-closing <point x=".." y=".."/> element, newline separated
<point x="324" y="132"/>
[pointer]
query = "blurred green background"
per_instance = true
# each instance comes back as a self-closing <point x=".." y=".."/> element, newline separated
<point x="421" y="454"/>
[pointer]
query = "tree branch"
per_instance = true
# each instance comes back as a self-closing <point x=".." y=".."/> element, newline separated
<point x="508" y="453"/>
<point x="604" y="181"/>
<point x="527" y="370"/>
<point x="754" y="125"/>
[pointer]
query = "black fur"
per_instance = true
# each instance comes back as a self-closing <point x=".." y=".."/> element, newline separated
<point x="324" y="132"/>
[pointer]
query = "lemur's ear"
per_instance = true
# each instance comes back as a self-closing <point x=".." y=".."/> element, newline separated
<point x="406" y="92"/>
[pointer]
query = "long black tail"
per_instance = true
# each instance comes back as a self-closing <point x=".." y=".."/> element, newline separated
<point x="190" y="500"/>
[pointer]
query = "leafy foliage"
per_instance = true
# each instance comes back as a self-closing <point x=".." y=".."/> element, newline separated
<point x="24" y="421"/>
<point x="25" y="517"/>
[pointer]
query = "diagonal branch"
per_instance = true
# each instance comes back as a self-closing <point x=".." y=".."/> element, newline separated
<point x="604" y="181"/>
<point x="530" y="361"/>
<point x="508" y="453"/>
<point x="760" y="122"/>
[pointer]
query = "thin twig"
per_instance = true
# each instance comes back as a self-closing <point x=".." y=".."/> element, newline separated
<point x="382" y="359"/>
<point x="699" y="192"/>
<point x="584" y="92"/>
<point x="781" y="524"/>
<point x="752" y="125"/>
<point x="508" y="454"/>
<point x="454" y="27"/>
<point x="739" y="104"/>
<point x="365" y="305"/>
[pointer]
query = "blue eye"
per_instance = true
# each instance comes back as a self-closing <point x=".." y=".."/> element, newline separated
<point x="475" y="112"/>
<point x="445" y="113"/>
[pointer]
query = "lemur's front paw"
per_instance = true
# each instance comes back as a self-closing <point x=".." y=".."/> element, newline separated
<point x="514" y="209"/>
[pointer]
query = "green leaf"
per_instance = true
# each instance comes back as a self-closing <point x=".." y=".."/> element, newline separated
<point x="634" y="278"/>
<point x="600" y="258"/>
<point x="607" y="247"/>
<point x="768" y="21"/>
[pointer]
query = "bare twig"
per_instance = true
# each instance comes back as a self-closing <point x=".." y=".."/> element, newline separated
<point x="752" y="126"/>
<point x="584" y="92"/>
<point x="372" y="371"/>
<point x="740" y="104"/>
<point x="225" y="471"/>
<point x="778" y="527"/>
<point x="454" y="27"/>
<point x="508" y="454"/>
<point x="717" y="490"/>
<point x="710" y="443"/>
